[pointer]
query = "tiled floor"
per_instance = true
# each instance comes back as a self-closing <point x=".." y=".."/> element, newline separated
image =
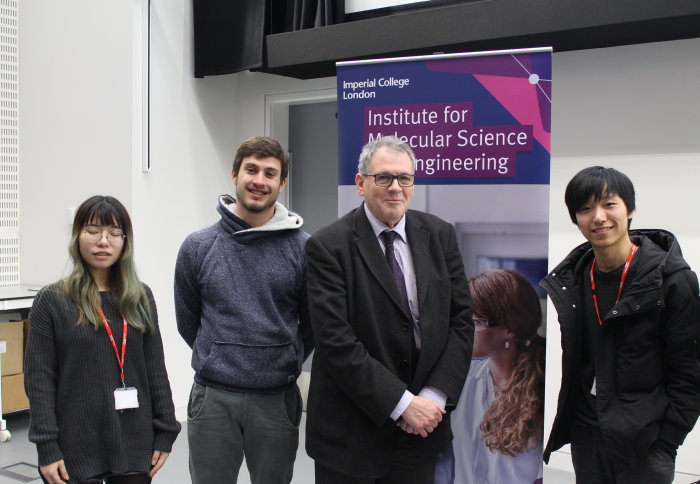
<point x="19" y="449"/>
<point x="175" y="471"/>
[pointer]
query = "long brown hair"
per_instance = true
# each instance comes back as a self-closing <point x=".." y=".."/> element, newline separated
<point x="513" y="423"/>
<point x="79" y="285"/>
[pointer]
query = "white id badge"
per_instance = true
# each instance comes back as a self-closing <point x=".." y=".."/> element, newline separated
<point x="125" y="398"/>
<point x="593" y="390"/>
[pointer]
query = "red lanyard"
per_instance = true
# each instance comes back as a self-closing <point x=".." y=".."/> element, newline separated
<point x="125" y="331"/>
<point x="625" y="270"/>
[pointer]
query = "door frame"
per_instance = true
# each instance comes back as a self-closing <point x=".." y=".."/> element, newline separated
<point x="277" y="117"/>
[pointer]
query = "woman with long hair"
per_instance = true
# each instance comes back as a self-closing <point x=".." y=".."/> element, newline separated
<point x="100" y="402"/>
<point x="497" y="424"/>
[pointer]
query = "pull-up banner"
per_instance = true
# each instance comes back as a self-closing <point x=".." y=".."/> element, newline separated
<point x="480" y="126"/>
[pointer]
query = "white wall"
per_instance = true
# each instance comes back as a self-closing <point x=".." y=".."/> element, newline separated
<point x="636" y="108"/>
<point x="75" y="121"/>
<point x="192" y="138"/>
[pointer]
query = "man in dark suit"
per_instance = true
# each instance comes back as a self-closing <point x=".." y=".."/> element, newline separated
<point x="391" y="316"/>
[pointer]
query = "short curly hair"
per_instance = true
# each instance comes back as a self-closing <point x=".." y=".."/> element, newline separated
<point x="262" y="147"/>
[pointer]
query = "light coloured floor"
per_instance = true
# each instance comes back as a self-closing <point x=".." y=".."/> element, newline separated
<point x="19" y="449"/>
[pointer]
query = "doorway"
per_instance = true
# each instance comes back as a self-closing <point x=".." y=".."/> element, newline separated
<point x="313" y="173"/>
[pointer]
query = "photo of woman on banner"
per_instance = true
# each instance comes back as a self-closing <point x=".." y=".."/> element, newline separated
<point x="498" y="422"/>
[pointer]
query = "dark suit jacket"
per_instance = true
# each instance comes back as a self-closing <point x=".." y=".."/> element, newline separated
<point x="363" y="339"/>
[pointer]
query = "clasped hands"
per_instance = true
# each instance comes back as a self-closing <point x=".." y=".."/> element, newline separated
<point x="421" y="417"/>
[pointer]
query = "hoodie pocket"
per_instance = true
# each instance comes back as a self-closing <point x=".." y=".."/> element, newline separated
<point x="251" y="366"/>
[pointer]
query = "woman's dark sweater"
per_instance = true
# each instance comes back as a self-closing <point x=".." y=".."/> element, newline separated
<point x="71" y="373"/>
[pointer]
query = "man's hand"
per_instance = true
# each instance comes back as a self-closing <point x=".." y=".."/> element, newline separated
<point x="401" y="423"/>
<point x="55" y="473"/>
<point x="421" y="417"/>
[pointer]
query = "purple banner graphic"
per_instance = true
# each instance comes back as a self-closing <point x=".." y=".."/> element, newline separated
<point x="482" y="119"/>
<point x="445" y="141"/>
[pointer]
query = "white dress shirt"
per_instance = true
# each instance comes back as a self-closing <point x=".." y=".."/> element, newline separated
<point x="402" y="251"/>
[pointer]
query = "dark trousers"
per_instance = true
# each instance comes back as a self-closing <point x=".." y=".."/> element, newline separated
<point x="408" y="466"/>
<point x="138" y="478"/>
<point x="593" y="465"/>
<point x="224" y="427"/>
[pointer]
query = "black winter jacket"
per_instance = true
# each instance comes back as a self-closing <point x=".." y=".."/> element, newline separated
<point x="647" y="360"/>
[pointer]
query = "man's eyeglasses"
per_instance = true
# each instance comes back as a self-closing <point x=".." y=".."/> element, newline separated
<point x="114" y="236"/>
<point x="481" y="324"/>
<point x="385" y="179"/>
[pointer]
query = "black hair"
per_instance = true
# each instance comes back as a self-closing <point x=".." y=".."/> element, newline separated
<point x="598" y="182"/>
<point x="80" y="286"/>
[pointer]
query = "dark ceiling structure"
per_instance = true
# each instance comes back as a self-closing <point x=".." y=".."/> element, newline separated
<point x="235" y="36"/>
<point x="482" y="25"/>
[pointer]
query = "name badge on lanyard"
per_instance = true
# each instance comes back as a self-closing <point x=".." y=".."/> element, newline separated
<point x="124" y="397"/>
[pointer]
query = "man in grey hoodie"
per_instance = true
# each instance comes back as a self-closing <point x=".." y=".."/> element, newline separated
<point x="240" y="302"/>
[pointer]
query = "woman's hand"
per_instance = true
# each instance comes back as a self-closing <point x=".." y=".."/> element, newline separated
<point x="157" y="461"/>
<point x="55" y="473"/>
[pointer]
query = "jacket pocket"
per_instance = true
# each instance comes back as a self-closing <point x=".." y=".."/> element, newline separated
<point x="251" y="366"/>
<point x="638" y="355"/>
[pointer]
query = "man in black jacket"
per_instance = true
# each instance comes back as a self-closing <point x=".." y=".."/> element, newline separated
<point x="629" y="313"/>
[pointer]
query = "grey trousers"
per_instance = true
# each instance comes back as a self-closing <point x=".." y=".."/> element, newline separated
<point x="223" y="427"/>
<point x="593" y="466"/>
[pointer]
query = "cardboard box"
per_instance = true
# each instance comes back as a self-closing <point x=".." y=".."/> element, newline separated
<point x="12" y="361"/>
<point x="13" y="396"/>
<point x="26" y="338"/>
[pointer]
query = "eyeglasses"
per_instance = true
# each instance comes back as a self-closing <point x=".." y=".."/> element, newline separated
<point x="481" y="324"/>
<point x="114" y="236"/>
<point x="385" y="179"/>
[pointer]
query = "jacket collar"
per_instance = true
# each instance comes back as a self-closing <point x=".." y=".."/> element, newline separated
<point x="418" y="240"/>
<point x="659" y="254"/>
<point x="282" y="219"/>
<point x="371" y="253"/>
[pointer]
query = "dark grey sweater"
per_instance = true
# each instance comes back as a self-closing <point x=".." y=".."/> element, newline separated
<point x="71" y="373"/>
